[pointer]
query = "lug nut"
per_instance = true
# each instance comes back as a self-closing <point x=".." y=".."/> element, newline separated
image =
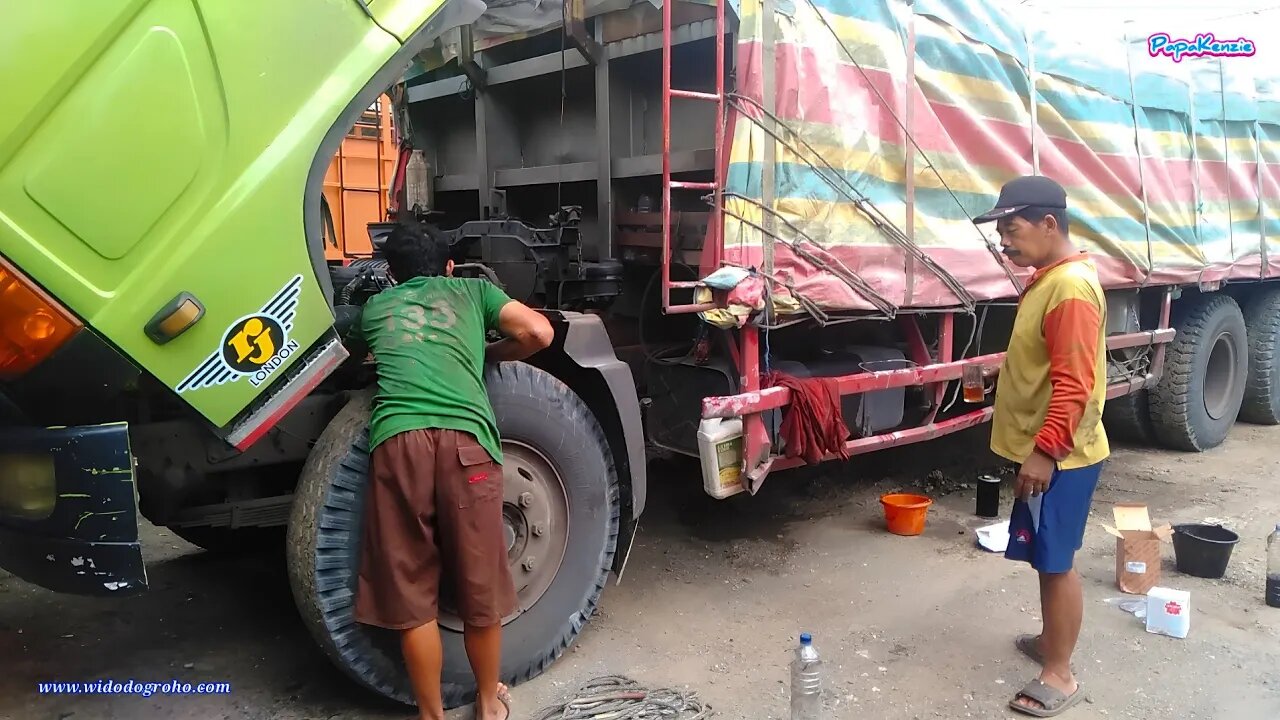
<point x="529" y="564"/>
<point x="526" y="499"/>
<point x="538" y="530"/>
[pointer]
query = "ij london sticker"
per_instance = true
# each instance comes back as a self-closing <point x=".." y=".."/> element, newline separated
<point x="254" y="346"/>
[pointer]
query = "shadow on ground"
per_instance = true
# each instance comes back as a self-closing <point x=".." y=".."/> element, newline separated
<point x="232" y="618"/>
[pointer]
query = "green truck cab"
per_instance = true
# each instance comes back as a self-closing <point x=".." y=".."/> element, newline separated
<point x="170" y="330"/>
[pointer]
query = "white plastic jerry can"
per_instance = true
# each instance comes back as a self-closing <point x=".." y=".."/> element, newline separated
<point x="720" y="451"/>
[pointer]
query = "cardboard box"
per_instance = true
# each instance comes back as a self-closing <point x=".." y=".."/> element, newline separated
<point x="1138" y="548"/>
<point x="1169" y="612"/>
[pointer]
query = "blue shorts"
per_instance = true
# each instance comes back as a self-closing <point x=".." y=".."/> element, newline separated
<point x="1047" y="530"/>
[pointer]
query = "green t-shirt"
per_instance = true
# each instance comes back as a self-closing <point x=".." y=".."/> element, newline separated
<point x="427" y="336"/>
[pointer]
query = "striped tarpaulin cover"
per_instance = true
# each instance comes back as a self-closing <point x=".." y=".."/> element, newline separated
<point x="843" y="82"/>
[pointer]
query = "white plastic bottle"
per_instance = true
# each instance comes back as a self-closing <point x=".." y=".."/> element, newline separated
<point x="806" y="681"/>
<point x="1273" y="568"/>
<point x="419" y="193"/>
<point x="720" y="450"/>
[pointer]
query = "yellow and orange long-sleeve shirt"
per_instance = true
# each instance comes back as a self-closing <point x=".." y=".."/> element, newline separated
<point x="1053" y="382"/>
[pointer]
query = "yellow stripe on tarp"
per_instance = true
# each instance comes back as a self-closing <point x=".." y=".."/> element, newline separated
<point x="1166" y="145"/>
<point x="885" y="162"/>
<point x="966" y="86"/>
<point x="943" y="88"/>
<point x="1210" y="147"/>
<point x="868" y="42"/>
<point x="868" y="152"/>
<point x="1102" y="138"/>
<point x="843" y="225"/>
<point x="867" y="155"/>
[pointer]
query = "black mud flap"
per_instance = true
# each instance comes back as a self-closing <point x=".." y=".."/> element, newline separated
<point x="68" y="509"/>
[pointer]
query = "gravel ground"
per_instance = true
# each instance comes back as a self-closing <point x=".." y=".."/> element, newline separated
<point x="715" y="596"/>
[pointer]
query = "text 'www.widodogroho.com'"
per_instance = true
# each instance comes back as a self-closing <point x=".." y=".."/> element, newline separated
<point x="134" y="687"/>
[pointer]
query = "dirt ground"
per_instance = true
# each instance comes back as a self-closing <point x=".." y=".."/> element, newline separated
<point x="716" y="595"/>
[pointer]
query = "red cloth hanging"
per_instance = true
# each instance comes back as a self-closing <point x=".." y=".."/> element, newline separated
<point x="813" y="426"/>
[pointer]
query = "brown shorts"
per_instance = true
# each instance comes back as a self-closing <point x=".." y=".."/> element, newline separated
<point x="433" y="505"/>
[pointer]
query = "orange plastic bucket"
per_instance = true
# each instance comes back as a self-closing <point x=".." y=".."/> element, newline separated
<point x="905" y="513"/>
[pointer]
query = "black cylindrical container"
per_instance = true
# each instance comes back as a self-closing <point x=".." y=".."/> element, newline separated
<point x="988" y="496"/>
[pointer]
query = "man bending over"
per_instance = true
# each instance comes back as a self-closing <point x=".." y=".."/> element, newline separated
<point x="434" y="500"/>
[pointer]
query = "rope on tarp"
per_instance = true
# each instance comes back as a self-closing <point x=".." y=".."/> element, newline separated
<point x="995" y="253"/>
<point x="835" y="267"/>
<point x="859" y="200"/>
<point x="615" y="697"/>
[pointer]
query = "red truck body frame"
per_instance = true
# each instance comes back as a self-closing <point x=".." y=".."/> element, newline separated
<point x="928" y="371"/>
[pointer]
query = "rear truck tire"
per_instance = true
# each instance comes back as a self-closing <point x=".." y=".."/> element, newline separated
<point x="1262" y="388"/>
<point x="560" y="483"/>
<point x="1202" y="387"/>
<point x="1128" y="418"/>
<point x="231" y="540"/>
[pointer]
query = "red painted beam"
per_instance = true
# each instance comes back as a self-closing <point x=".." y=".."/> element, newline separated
<point x="756" y="401"/>
<point x="776" y="397"/>
<point x="862" y="446"/>
<point x="1129" y="386"/>
<point x="1166" y="305"/>
<point x="1138" y="339"/>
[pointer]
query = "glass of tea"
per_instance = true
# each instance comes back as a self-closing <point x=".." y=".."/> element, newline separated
<point x="974" y="383"/>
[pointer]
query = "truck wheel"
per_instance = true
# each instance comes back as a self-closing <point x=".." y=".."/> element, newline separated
<point x="1262" y="389"/>
<point x="229" y="540"/>
<point x="1202" y="387"/>
<point x="1128" y="418"/>
<point x="560" y="483"/>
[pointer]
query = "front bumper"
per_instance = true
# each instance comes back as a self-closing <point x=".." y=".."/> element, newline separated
<point x="68" y="509"/>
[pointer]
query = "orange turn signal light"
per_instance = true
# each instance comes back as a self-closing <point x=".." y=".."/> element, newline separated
<point x="32" y="324"/>
<point x="174" y="318"/>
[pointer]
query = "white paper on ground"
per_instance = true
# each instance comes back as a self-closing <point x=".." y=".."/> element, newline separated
<point x="1134" y="606"/>
<point x="994" y="537"/>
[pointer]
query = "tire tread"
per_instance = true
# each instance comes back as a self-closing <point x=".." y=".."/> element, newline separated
<point x="323" y="521"/>
<point x="1262" y="321"/>
<point x="1172" y="416"/>
<point x="1128" y="418"/>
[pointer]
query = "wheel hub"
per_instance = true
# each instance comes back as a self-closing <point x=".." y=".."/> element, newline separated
<point x="535" y="515"/>
<point x="1220" y="376"/>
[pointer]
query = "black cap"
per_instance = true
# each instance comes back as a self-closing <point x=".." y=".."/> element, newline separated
<point x="1024" y="192"/>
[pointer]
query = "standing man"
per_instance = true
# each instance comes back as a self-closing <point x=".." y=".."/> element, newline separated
<point x="1048" y="418"/>
<point x="434" y="499"/>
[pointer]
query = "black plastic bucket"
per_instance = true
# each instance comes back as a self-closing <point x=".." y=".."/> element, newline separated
<point x="1203" y="550"/>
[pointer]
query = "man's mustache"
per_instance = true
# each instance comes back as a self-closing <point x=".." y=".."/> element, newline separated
<point x="1010" y="252"/>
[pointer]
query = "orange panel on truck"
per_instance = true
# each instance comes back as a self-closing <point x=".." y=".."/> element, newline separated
<point x="358" y="180"/>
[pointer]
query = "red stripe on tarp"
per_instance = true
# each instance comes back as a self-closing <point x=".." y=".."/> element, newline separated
<point x="1248" y="267"/>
